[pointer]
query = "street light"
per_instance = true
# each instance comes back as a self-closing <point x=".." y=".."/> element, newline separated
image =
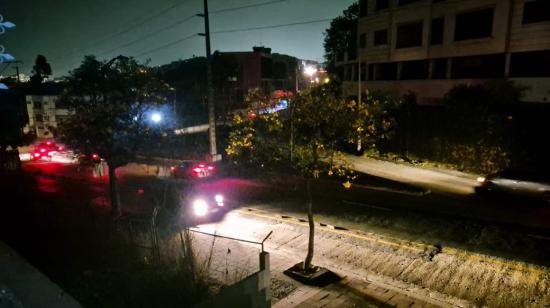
<point x="310" y="70"/>
<point x="156" y="117"/>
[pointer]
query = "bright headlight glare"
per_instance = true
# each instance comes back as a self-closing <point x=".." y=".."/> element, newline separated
<point x="218" y="198"/>
<point x="200" y="207"/>
<point x="481" y="179"/>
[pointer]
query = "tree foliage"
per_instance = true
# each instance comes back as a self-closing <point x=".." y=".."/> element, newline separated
<point x="305" y="139"/>
<point x="341" y="36"/>
<point x="109" y="103"/>
<point x="40" y="71"/>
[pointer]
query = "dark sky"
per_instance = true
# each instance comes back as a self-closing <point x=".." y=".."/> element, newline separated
<point x="65" y="30"/>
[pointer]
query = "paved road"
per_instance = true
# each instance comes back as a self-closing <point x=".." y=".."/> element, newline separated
<point x="450" y="182"/>
<point x="434" y="243"/>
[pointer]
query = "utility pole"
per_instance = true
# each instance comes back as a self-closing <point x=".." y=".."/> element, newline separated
<point x="210" y="86"/>
<point x="17" y="71"/>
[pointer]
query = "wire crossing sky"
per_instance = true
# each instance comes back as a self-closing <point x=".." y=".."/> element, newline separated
<point x="162" y="31"/>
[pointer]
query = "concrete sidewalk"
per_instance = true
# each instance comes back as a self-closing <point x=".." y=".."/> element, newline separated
<point x="22" y="285"/>
<point x="431" y="179"/>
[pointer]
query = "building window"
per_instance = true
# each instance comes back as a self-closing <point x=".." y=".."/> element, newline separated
<point x="382" y="4"/>
<point x="536" y="11"/>
<point x="363" y="71"/>
<point x="439" y="68"/>
<point x="530" y="64"/>
<point x="371" y="72"/>
<point x="381" y="37"/>
<point x="363" y="41"/>
<point x="386" y="71"/>
<point x="486" y="66"/>
<point x="414" y="70"/>
<point x="409" y="35"/>
<point x="474" y="25"/>
<point x="363" y="8"/>
<point x="402" y="2"/>
<point x="436" y="37"/>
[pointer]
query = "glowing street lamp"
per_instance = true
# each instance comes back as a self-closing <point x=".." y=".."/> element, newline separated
<point x="156" y="117"/>
<point x="310" y="70"/>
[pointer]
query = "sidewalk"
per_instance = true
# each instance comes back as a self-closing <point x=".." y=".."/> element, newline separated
<point x="287" y="247"/>
<point x="431" y="179"/>
<point x="22" y="285"/>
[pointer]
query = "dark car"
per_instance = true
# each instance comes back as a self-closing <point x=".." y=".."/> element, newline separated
<point x="520" y="182"/>
<point x="193" y="170"/>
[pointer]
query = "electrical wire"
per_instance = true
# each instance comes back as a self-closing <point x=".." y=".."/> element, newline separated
<point x="273" y="26"/>
<point x="147" y="36"/>
<point x="245" y="7"/>
<point x="165" y="46"/>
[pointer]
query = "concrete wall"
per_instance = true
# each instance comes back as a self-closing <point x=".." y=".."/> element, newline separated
<point x="251" y="292"/>
<point x="430" y="91"/>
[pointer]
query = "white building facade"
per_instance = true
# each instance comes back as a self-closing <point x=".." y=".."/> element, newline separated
<point x="429" y="46"/>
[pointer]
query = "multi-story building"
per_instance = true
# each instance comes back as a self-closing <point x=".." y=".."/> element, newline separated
<point x="44" y="112"/>
<point x="429" y="46"/>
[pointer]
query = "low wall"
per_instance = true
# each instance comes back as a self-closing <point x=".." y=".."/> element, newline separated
<point x="253" y="291"/>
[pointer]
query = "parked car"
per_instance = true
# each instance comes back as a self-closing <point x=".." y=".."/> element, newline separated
<point x="193" y="170"/>
<point x="520" y="182"/>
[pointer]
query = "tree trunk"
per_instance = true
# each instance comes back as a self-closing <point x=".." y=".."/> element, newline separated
<point x="113" y="189"/>
<point x="310" y="246"/>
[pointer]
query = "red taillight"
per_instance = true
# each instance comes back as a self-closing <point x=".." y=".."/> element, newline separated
<point x="172" y="168"/>
<point x="50" y="153"/>
<point x="42" y="150"/>
<point x="95" y="156"/>
<point x="36" y="154"/>
<point x="197" y="170"/>
<point x="48" y="143"/>
<point x="210" y="168"/>
<point x="201" y="166"/>
<point x="60" y="148"/>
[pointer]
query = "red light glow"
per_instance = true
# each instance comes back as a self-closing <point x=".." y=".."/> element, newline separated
<point x="95" y="156"/>
<point x="210" y="168"/>
<point x="48" y="143"/>
<point x="197" y="170"/>
<point x="42" y="150"/>
<point x="60" y="148"/>
<point x="201" y="166"/>
<point x="36" y="154"/>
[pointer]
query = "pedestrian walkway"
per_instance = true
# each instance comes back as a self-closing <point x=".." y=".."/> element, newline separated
<point x="22" y="285"/>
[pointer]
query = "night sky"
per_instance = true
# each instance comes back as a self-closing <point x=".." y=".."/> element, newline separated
<point x="65" y="30"/>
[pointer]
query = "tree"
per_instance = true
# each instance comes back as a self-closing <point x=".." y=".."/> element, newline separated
<point x="319" y="121"/>
<point x="341" y="36"/>
<point x="110" y="103"/>
<point x="40" y="71"/>
<point x="13" y="117"/>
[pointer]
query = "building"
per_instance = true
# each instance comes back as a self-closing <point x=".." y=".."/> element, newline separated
<point x="44" y="112"/>
<point x="429" y="46"/>
<point x="236" y="73"/>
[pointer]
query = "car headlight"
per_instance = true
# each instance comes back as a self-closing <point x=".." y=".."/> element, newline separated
<point x="481" y="179"/>
<point x="218" y="198"/>
<point x="200" y="207"/>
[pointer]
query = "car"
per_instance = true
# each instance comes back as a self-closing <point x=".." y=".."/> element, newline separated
<point x="517" y="182"/>
<point x="45" y="150"/>
<point x="193" y="170"/>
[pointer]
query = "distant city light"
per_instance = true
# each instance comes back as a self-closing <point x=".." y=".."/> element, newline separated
<point x="156" y="117"/>
<point x="310" y="70"/>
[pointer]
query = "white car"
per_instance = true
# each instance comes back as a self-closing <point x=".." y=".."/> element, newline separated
<point x="518" y="182"/>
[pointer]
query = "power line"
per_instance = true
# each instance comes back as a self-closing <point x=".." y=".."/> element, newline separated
<point x="165" y="46"/>
<point x="246" y="6"/>
<point x="144" y="37"/>
<point x="273" y="26"/>
<point x="129" y="28"/>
